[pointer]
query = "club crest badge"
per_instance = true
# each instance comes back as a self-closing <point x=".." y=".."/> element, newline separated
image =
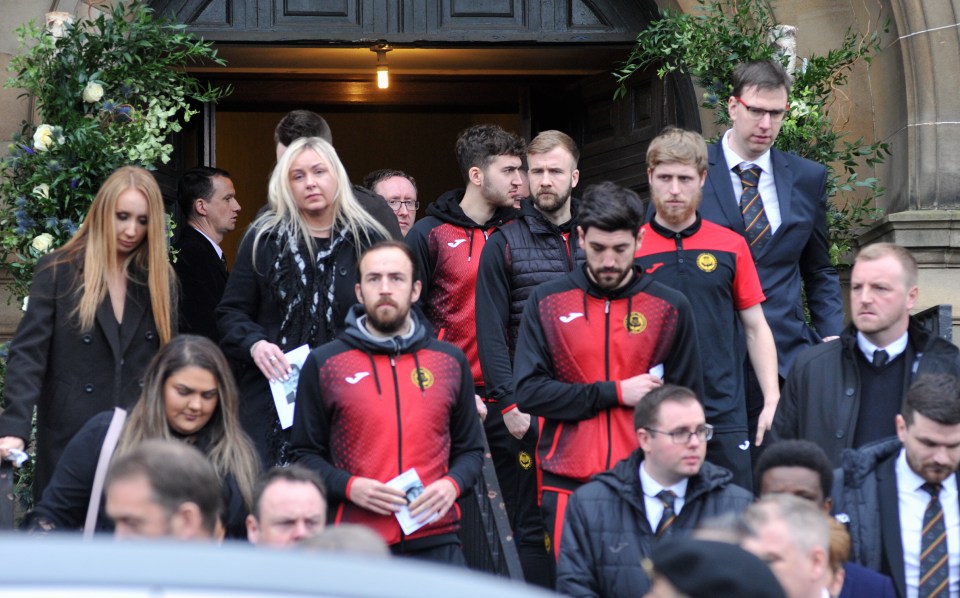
<point x="422" y="377"/>
<point x="707" y="262"/>
<point x="635" y="322"/>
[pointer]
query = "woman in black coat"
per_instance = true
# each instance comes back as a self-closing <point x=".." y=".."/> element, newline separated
<point x="293" y="280"/>
<point x="189" y="395"/>
<point x="100" y="307"/>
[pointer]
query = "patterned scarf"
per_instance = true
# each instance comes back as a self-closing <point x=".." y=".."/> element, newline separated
<point x="303" y="291"/>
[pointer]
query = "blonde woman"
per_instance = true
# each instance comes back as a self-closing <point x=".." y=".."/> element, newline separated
<point x="100" y="307"/>
<point x="293" y="279"/>
<point x="188" y="395"/>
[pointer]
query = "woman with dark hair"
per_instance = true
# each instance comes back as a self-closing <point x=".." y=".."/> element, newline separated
<point x="188" y="395"/>
<point x="293" y="280"/>
<point x="100" y="307"/>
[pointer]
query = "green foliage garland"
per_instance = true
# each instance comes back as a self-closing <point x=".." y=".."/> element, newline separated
<point x="108" y="92"/>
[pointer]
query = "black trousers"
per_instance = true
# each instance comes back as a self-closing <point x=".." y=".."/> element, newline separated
<point x="515" y="462"/>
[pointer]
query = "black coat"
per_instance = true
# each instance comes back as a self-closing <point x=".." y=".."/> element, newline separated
<point x="820" y="401"/>
<point x="203" y="277"/>
<point x="248" y="313"/>
<point x="607" y="534"/>
<point x="63" y="505"/>
<point x="71" y="375"/>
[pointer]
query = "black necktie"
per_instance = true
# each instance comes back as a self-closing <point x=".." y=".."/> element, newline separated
<point x="667" y="497"/>
<point x="934" y="577"/>
<point x="223" y="260"/>
<point x="755" y="223"/>
<point x="880" y="358"/>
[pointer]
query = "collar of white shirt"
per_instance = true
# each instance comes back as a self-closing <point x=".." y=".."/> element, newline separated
<point x="910" y="480"/>
<point x="652" y="487"/>
<point x="893" y="350"/>
<point x="212" y="242"/>
<point x="734" y="159"/>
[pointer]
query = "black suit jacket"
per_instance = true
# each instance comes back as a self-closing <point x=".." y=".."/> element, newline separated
<point x="203" y="277"/>
<point x="890" y="524"/>
<point x="798" y="250"/>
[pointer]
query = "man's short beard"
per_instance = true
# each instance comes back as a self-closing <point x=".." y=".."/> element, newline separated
<point x="387" y="326"/>
<point x="551" y="207"/>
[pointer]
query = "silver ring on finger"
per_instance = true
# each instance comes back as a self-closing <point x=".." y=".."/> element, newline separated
<point x="273" y="358"/>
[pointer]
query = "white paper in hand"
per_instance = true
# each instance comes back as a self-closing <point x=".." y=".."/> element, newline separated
<point x="285" y="391"/>
<point x="411" y="485"/>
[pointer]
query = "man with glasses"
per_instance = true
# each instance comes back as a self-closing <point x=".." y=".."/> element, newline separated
<point x="400" y="191"/>
<point x="778" y="202"/>
<point x="663" y="489"/>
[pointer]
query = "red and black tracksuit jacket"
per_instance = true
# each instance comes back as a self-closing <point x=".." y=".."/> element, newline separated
<point x="447" y="246"/>
<point x="576" y="343"/>
<point x="376" y="409"/>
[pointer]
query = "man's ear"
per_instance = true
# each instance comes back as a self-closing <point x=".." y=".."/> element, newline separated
<point x="200" y="206"/>
<point x="253" y="530"/>
<point x="356" y="289"/>
<point x="187" y="522"/>
<point x="475" y="176"/>
<point x="417" y="287"/>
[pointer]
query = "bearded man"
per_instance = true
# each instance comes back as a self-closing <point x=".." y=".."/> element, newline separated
<point x="386" y="398"/>
<point x="712" y="266"/>
<point x="592" y="344"/>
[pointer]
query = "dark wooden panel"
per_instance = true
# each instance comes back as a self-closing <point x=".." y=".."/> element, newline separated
<point x="495" y="16"/>
<point x="413" y="21"/>
<point x="316" y="8"/>
<point x="614" y="135"/>
<point x="484" y="8"/>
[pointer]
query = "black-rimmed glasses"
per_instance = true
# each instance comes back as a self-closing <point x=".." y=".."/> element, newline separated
<point x="411" y="205"/>
<point x="703" y="434"/>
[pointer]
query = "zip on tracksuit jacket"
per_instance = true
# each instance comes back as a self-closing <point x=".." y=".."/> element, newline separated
<point x="576" y="343"/>
<point x="375" y="409"/>
<point x="447" y="246"/>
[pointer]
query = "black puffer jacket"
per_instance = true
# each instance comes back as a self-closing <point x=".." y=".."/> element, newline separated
<point x="607" y="534"/>
<point x="521" y="254"/>
<point x="856" y="502"/>
<point x="820" y="401"/>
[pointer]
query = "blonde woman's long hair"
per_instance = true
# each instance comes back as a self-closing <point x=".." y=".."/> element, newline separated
<point x="96" y="240"/>
<point x="347" y="211"/>
<point x="229" y="448"/>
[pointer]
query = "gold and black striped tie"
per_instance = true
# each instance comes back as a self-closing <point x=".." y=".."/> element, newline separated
<point x="667" y="497"/>
<point x="755" y="223"/>
<point x="934" y="578"/>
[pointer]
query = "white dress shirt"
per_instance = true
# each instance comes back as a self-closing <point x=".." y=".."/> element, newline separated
<point x="767" y="186"/>
<point x="651" y="488"/>
<point x="912" y="501"/>
<point x="893" y="350"/>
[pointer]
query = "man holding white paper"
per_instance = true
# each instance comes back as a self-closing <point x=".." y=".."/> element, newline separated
<point x="591" y="346"/>
<point x="385" y="399"/>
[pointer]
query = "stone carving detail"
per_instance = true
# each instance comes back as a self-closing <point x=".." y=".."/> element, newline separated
<point x="784" y="37"/>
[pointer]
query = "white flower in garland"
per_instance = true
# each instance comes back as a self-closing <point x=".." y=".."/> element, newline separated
<point x="42" y="191"/>
<point x="92" y="92"/>
<point x="46" y="136"/>
<point x="42" y="243"/>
